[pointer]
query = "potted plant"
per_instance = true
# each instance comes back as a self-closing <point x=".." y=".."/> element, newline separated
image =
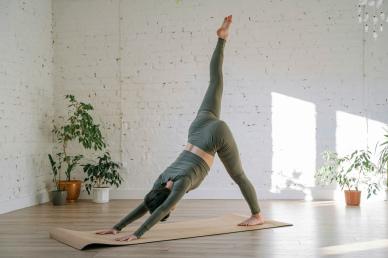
<point x="350" y="171"/>
<point x="59" y="195"/>
<point x="99" y="176"/>
<point x="78" y="126"/>
<point x="383" y="162"/>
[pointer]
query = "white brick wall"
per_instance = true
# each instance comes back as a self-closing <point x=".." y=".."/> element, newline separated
<point x="26" y="102"/>
<point x="308" y="51"/>
<point x="144" y="66"/>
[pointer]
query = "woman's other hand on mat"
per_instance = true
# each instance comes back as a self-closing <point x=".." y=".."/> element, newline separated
<point x="126" y="238"/>
<point x="107" y="231"/>
<point x="255" y="219"/>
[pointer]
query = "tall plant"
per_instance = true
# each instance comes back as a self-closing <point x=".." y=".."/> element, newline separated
<point x="78" y="126"/>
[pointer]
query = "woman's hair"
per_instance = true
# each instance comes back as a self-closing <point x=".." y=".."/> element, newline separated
<point x="155" y="198"/>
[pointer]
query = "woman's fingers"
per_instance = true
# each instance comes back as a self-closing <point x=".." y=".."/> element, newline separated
<point x="126" y="238"/>
<point x="104" y="232"/>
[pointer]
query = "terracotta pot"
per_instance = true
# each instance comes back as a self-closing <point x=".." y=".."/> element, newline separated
<point x="73" y="188"/>
<point x="352" y="197"/>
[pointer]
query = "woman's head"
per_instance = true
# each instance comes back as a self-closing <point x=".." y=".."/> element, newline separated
<point x="155" y="198"/>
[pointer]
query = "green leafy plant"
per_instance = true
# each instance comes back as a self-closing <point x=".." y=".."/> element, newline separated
<point x="350" y="171"/>
<point x="383" y="158"/>
<point x="103" y="173"/>
<point x="56" y="169"/>
<point x="78" y="126"/>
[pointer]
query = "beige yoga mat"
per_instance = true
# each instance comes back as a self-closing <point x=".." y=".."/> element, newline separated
<point x="163" y="231"/>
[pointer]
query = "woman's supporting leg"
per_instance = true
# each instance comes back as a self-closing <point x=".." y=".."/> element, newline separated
<point x="230" y="157"/>
<point x="212" y="99"/>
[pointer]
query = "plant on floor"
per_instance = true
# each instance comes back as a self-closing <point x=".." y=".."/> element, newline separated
<point x="350" y="171"/>
<point x="56" y="169"/>
<point x="100" y="175"/>
<point x="59" y="195"/>
<point x="79" y="125"/>
<point x="383" y="160"/>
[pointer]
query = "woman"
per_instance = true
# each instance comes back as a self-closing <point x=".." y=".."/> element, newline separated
<point x="207" y="135"/>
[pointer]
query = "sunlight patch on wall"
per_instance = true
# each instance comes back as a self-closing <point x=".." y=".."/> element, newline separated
<point x="294" y="144"/>
<point x="351" y="133"/>
<point x="357" y="132"/>
<point x="375" y="135"/>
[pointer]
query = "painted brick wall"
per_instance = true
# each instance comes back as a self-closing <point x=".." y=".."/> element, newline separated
<point x="293" y="74"/>
<point x="26" y="102"/>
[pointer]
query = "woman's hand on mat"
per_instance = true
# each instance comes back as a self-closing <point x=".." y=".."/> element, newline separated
<point x="126" y="238"/>
<point x="108" y="231"/>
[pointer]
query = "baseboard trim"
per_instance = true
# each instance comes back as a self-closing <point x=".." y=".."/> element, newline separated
<point x="322" y="194"/>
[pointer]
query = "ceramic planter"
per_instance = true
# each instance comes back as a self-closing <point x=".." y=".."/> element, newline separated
<point x="352" y="197"/>
<point x="100" y="194"/>
<point x="59" y="197"/>
<point x="73" y="188"/>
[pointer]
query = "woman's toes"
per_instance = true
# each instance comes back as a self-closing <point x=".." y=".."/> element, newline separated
<point x="225" y="22"/>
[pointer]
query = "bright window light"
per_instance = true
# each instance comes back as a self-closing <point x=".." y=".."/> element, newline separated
<point x="294" y="144"/>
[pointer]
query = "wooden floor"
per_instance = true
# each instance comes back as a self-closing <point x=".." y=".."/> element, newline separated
<point x="321" y="229"/>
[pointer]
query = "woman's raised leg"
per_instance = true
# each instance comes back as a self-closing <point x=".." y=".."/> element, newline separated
<point x="212" y="99"/>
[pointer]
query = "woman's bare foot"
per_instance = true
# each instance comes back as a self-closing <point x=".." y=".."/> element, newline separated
<point x="223" y="31"/>
<point x="256" y="219"/>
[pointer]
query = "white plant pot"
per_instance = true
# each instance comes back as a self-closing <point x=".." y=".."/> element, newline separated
<point x="100" y="194"/>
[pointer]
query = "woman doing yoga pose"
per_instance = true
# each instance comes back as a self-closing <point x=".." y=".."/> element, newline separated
<point x="207" y="136"/>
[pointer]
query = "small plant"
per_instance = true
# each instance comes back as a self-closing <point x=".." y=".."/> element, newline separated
<point x="103" y="173"/>
<point x="383" y="159"/>
<point x="350" y="171"/>
<point x="78" y="126"/>
<point x="56" y="169"/>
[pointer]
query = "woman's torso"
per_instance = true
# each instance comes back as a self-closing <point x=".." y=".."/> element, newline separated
<point x="192" y="163"/>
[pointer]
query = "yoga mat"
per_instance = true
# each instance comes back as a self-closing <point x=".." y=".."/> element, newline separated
<point x="163" y="231"/>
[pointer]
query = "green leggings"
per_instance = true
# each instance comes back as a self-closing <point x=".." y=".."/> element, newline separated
<point x="212" y="135"/>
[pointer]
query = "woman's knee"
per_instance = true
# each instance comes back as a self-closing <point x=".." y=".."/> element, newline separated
<point x="239" y="177"/>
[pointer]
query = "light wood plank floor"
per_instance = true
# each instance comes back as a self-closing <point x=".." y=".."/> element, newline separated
<point x="321" y="229"/>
